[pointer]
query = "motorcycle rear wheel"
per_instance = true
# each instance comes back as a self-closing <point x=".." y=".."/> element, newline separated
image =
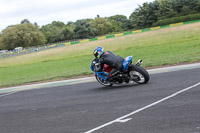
<point x="139" y="74"/>
<point x="105" y="83"/>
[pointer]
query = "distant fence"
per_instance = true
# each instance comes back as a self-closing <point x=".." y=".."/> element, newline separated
<point x="36" y="49"/>
<point x="32" y="49"/>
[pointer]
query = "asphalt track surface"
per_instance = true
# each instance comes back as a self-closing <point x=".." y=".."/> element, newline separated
<point x="156" y="107"/>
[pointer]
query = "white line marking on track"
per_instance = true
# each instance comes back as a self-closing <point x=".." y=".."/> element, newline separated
<point x="122" y="119"/>
<point x="8" y="94"/>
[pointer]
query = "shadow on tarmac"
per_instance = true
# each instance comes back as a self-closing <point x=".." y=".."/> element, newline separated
<point x="122" y="86"/>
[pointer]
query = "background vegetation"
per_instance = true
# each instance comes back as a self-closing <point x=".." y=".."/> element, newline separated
<point x="158" y="12"/>
<point x="177" y="19"/>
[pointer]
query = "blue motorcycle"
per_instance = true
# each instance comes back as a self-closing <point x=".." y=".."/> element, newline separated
<point x="130" y="72"/>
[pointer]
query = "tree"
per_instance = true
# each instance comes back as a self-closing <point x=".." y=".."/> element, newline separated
<point x="165" y="6"/>
<point x="185" y="10"/>
<point x="148" y="13"/>
<point x="189" y="7"/>
<point x="116" y="26"/>
<point x="57" y="31"/>
<point x="83" y="29"/>
<point x="24" y="35"/>
<point x="102" y="26"/>
<point x="174" y="8"/>
<point x="1" y="45"/>
<point x="66" y="34"/>
<point x="197" y="6"/>
<point x="70" y="25"/>
<point x="145" y="15"/>
<point x="25" y="21"/>
<point x="58" y="24"/>
<point x="119" y="22"/>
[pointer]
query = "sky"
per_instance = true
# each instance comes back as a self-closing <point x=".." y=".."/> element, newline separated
<point x="45" y="11"/>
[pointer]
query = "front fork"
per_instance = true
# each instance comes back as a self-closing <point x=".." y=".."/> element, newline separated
<point x="102" y="75"/>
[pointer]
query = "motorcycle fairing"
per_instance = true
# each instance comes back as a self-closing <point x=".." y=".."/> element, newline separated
<point x="126" y="62"/>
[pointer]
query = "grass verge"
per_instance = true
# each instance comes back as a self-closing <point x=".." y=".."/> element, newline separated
<point x="161" y="47"/>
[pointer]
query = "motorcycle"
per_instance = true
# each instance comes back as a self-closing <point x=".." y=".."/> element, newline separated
<point x="130" y="72"/>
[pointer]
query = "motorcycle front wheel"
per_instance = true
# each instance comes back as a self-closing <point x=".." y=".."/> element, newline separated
<point x="138" y="74"/>
<point x="101" y="81"/>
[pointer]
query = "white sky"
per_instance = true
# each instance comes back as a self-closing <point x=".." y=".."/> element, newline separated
<point x="45" y="11"/>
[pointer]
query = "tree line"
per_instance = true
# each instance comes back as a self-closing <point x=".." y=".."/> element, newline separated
<point x="27" y="34"/>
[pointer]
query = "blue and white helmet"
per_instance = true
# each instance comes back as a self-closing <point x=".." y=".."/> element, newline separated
<point x="98" y="51"/>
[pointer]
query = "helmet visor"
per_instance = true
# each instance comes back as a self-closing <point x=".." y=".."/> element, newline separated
<point x="95" y="53"/>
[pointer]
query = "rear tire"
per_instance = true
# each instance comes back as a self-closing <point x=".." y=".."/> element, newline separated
<point x="138" y="74"/>
<point x="105" y="83"/>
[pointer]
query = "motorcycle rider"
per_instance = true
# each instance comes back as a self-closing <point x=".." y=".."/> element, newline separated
<point x="110" y="59"/>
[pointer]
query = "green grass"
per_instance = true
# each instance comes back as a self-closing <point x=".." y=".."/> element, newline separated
<point x="161" y="47"/>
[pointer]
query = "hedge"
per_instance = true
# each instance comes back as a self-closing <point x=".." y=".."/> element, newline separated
<point x="177" y="19"/>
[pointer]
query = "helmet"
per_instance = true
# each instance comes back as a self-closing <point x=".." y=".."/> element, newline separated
<point x="98" y="51"/>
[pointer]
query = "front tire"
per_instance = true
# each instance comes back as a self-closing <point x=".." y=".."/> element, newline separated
<point x="105" y="83"/>
<point x="138" y="74"/>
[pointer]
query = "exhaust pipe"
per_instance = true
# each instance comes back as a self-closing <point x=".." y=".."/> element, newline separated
<point x="139" y="62"/>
